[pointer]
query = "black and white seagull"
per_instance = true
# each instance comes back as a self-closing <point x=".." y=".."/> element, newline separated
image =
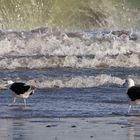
<point x="21" y="90"/>
<point x="133" y="92"/>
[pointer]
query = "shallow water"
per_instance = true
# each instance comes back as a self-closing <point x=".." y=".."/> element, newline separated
<point x="105" y="99"/>
<point x="101" y="128"/>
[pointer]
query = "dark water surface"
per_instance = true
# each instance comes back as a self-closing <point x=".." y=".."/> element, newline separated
<point x="67" y="72"/>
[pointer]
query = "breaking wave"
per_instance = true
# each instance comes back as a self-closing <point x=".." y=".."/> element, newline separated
<point x="69" y="82"/>
<point x="52" y="48"/>
<point x="74" y="82"/>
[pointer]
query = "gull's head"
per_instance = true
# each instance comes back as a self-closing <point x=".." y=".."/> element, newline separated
<point x="10" y="82"/>
<point x="129" y="82"/>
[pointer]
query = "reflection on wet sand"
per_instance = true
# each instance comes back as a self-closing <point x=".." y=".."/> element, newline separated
<point x="99" y="128"/>
<point x="134" y="128"/>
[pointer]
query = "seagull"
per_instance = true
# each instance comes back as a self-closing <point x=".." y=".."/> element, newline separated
<point x="21" y="90"/>
<point x="133" y="92"/>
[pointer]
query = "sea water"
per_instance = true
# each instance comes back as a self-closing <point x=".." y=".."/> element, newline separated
<point x="69" y="93"/>
<point x="75" y="73"/>
<point x="76" y="53"/>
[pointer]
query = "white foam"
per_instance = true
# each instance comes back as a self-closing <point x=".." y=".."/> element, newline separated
<point x="76" y="82"/>
<point x="88" y="50"/>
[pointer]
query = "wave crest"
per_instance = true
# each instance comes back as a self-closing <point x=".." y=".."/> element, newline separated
<point x="76" y="82"/>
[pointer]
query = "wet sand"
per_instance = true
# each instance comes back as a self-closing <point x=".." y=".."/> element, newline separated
<point x="97" y="128"/>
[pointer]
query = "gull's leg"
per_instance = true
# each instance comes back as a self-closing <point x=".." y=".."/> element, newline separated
<point x="129" y="108"/>
<point x="24" y="102"/>
<point x="14" y="100"/>
<point x="139" y="107"/>
<point x="139" y="110"/>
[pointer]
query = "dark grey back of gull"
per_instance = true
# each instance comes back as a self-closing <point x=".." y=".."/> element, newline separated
<point x="134" y="93"/>
<point x="20" y="88"/>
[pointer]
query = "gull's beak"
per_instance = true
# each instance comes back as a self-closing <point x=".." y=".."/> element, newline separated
<point x="3" y="86"/>
<point x="124" y="84"/>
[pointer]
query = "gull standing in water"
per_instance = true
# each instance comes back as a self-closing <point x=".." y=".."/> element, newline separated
<point x="133" y="92"/>
<point x="21" y="90"/>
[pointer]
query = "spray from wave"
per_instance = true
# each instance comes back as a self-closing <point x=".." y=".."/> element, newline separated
<point x="79" y="14"/>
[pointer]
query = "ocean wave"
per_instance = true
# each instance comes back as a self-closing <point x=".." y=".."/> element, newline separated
<point x="75" y="82"/>
<point x="46" y="48"/>
<point x="68" y="82"/>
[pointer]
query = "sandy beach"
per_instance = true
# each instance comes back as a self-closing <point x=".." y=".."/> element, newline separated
<point x="97" y="128"/>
